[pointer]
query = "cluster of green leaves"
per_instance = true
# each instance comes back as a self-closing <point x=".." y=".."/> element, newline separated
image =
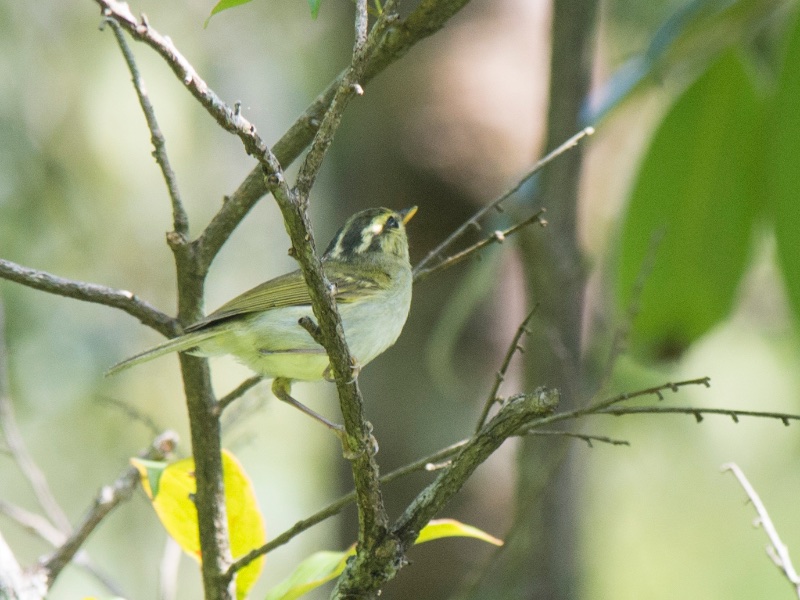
<point x="171" y="488"/>
<point x="723" y="165"/>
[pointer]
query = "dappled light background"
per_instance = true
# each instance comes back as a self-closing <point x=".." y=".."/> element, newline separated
<point x="448" y="128"/>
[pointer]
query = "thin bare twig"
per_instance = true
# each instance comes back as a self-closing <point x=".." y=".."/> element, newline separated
<point x="40" y="526"/>
<point x="109" y="498"/>
<point x="589" y="439"/>
<point x="132" y="412"/>
<point x="777" y="550"/>
<point x="91" y="292"/>
<point x="498" y="237"/>
<point x="698" y="412"/>
<point x="513" y="348"/>
<point x="495" y="204"/>
<point x="33" y="523"/>
<point x="603" y="405"/>
<point x="651" y="391"/>
<point x="230" y="119"/>
<point x="18" y="448"/>
<point x="237" y="393"/>
<point x="622" y="333"/>
<point x="179" y="217"/>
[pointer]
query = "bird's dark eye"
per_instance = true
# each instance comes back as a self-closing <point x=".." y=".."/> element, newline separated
<point x="391" y="223"/>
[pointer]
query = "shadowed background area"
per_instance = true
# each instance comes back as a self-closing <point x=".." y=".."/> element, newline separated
<point x="448" y="128"/>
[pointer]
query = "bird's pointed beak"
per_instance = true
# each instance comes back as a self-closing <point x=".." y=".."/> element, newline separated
<point x="407" y="213"/>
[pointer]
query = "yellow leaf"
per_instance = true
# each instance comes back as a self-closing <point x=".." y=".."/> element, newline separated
<point x="174" y="501"/>
<point x="175" y="507"/>
<point x="442" y="528"/>
<point x="245" y="522"/>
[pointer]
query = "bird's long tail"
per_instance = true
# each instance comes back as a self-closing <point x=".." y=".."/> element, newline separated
<point x="178" y="344"/>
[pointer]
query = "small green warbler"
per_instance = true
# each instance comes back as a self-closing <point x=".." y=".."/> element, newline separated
<point x="366" y="262"/>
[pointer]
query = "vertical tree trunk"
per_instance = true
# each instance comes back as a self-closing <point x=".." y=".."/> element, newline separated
<point x="540" y="558"/>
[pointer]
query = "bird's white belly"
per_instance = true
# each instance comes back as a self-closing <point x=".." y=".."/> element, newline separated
<point x="273" y="344"/>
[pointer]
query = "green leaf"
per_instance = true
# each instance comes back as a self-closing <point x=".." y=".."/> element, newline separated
<point x="321" y="567"/>
<point x="314" y="6"/>
<point x="224" y="5"/>
<point x="442" y="528"/>
<point x="152" y="470"/>
<point x="699" y="189"/>
<point x="783" y="168"/>
<point x="317" y="569"/>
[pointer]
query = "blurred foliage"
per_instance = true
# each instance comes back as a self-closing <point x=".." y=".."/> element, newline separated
<point x="688" y="38"/>
<point x="724" y="154"/>
<point x="687" y="232"/>
<point x="782" y="166"/>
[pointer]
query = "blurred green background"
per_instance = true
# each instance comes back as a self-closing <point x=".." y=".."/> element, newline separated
<point x="448" y="128"/>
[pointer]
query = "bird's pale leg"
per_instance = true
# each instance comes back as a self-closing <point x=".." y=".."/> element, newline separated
<point x="282" y="389"/>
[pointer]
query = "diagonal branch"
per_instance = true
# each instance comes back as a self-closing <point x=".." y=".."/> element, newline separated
<point x="349" y="86"/>
<point x="91" y="292"/>
<point x="588" y="438"/>
<point x="366" y="573"/>
<point x="226" y="117"/>
<point x="107" y="500"/>
<point x="41" y="527"/>
<point x="777" y="550"/>
<point x="517" y="412"/>
<point x="19" y="450"/>
<point x="335" y="507"/>
<point x="498" y="237"/>
<point x="179" y="217"/>
<point x="236" y="393"/>
<point x="699" y="412"/>
<point x="497" y="202"/>
<point x="513" y="348"/>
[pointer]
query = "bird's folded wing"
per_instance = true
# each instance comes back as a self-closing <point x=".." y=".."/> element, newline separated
<point x="290" y="290"/>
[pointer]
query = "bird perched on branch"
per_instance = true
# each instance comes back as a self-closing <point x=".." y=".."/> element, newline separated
<point x="366" y="262"/>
